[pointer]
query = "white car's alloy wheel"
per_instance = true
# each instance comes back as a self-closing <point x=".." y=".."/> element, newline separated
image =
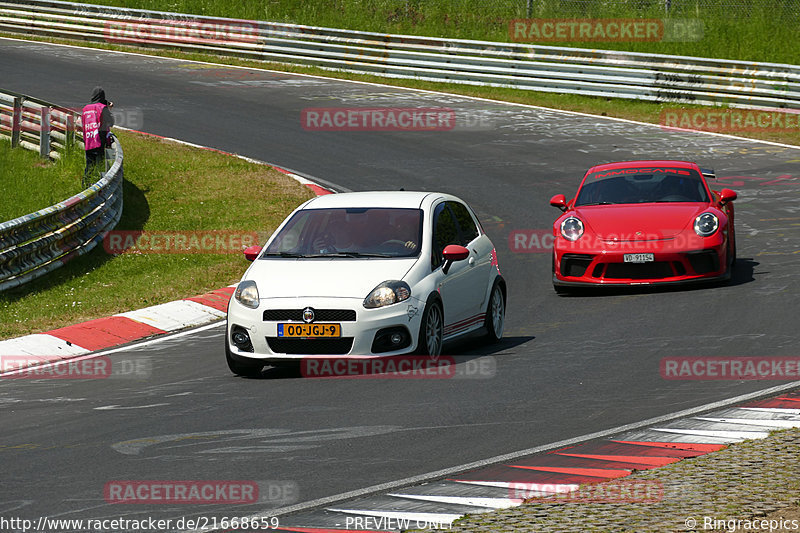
<point x="495" y="320"/>
<point x="497" y="312"/>
<point x="432" y="329"/>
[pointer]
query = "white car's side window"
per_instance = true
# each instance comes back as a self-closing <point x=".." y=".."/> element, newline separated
<point x="468" y="230"/>
<point x="445" y="231"/>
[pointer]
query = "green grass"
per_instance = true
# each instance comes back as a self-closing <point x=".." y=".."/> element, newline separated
<point x="751" y="30"/>
<point x="168" y="187"/>
<point x="31" y="183"/>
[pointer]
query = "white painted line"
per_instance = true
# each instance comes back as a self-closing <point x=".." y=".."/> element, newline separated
<point x="430" y="518"/>
<point x="40" y="344"/>
<point x="469" y="501"/>
<point x="777" y="410"/>
<point x="544" y="489"/>
<point x="120" y="407"/>
<point x="159" y="340"/>
<point x="730" y="436"/>
<point x="649" y="435"/>
<point x="400" y="88"/>
<point x="777" y="424"/>
<point x="175" y="315"/>
<point x="102" y="353"/>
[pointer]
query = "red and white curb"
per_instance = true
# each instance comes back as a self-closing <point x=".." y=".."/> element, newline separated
<point x="81" y="339"/>
<point x="436" y="504"/>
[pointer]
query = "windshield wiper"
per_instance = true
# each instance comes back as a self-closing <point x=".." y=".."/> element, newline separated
<point x="330" y="254"/>
<point x="595" y="203"/>
<point x="283" y="254"/>
<point x="352" y="254"/>
<point x="675" y="201"/>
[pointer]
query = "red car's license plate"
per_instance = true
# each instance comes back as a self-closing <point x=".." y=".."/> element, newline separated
<point x="638" y="258"/>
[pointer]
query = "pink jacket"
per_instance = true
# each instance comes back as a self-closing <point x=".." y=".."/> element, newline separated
<point x="91" y="126"/>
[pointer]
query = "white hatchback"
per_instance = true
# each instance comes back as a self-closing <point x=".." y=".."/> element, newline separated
<point x="366" y="274"/>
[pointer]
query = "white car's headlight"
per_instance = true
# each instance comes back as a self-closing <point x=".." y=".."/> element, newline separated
<point x="706" y="224"/>
<point x="572" y="228"/>
<point x="247" y="294"/>
<point x="387" y="293"/>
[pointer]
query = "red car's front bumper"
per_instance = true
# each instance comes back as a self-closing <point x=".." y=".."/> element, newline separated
<point x="676" y="260"/>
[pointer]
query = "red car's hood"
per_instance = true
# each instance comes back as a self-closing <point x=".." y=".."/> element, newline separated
<point x="634" y="222"/>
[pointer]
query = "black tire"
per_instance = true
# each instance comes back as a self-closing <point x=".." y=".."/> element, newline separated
<point x="431" y="329"/>
<point x="495" y="313"/>
<point x="561" y="290"/>
<point x="241" y="368"/>
<point x="728" y="277"/>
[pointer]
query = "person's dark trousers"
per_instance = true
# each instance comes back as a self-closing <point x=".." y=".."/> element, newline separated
<point x="95" y="158"/>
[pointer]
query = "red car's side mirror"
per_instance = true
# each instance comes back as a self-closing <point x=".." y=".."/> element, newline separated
<point x="452" y="253"/>
<point x="251" y="252"/>
<point x="727" y="196"/>
<point x="559" y="201"/>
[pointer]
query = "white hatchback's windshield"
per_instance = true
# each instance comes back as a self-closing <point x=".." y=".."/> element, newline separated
<point x="349" y="232"/>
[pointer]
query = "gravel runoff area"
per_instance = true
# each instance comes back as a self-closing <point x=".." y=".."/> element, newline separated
<point x="749" y="486"/>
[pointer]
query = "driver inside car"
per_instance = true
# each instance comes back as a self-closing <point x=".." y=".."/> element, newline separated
<point x="343" y="233"/>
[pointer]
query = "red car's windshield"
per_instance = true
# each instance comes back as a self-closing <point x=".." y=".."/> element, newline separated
<point x="642" y="185"/>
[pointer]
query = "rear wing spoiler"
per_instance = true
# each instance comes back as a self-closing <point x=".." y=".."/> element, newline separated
<point x="708" y="173"/>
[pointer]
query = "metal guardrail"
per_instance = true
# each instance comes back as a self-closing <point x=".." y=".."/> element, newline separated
<point x="653" y="77"/>
<point x="37" y="125"/>
<point x="38" y="243"/>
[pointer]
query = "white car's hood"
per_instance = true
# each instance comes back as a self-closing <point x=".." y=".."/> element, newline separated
<point x="327" y="278"/>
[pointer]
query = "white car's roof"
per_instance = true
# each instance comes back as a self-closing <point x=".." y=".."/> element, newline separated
<point x="403" y="199"/>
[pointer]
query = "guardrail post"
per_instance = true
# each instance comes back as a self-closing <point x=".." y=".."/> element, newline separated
<point x="69" y="125"/>
<point x="16" y="121"/>
<point x="44" y="133"/>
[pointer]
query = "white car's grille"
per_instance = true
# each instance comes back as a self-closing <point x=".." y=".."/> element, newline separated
<point x="320" y="315"/>
<point x="340" y="346"/>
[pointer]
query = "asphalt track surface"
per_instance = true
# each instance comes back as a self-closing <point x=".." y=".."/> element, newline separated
<point x="567" y="367"/>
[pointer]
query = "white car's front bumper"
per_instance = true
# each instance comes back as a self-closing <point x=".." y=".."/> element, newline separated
<point x="357" y="336"/>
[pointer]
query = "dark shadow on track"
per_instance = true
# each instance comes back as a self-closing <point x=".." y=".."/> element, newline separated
<point x="456" y="354"/>
<point x="475" y="344"/>
<point x="744" y="271"/>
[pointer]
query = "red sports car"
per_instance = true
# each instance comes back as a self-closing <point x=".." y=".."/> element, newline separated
<point x="643" y="222"/>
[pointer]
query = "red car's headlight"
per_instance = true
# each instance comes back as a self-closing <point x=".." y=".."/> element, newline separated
<point x="572" y="228"/>
<point x="706" y="224"/>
